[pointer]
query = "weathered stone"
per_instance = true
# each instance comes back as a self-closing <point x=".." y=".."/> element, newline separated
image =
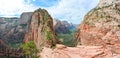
<point x="77" y="52"/>
<point x="101" y="26"/>
<point x="41" y="29"/>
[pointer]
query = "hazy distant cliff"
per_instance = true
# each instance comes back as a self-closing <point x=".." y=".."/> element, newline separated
<point x="63" y="27"/>
<point x="25" y="17"/>
<point x="12" y="30"/>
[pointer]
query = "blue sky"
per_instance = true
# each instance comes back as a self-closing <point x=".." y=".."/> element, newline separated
<point x="43" y="3"/>
<point x="69" y="10"/>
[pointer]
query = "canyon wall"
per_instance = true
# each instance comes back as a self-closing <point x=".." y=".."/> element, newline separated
<point x="40" y="29"/>
<point x="101" y="26"/>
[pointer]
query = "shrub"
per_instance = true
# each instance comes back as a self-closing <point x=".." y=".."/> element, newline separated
<point x="30" y="49"/>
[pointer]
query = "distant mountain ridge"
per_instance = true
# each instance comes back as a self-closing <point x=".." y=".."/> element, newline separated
<point x="63" y="27"/>
<point x="13" y="29"/>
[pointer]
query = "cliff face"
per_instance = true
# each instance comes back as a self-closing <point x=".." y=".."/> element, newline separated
<point x="25" y="17"/>
<point x="40" y="29"/>
<point x="12" y="30"/>
<point x="101" y="26"/>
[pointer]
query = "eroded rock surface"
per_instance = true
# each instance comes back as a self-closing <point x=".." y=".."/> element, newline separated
<point x="62" y="51"/>
<point x="41" y="29"/>
<point x="101" y="26"/>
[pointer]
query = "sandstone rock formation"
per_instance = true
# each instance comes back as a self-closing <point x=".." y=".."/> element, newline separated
<point x="62" y="51"/>
<point x="101" y="26"/>
<point x="41" y="29"/>
<point x="84" y="51"/>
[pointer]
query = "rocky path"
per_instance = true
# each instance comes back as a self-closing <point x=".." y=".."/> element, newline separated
<point x="62" y="51"/>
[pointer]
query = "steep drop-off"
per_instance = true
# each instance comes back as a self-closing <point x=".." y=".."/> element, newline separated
<point x="65" y="31"/>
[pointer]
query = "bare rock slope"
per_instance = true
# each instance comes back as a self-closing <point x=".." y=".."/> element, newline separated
<point x="101" y="26"/>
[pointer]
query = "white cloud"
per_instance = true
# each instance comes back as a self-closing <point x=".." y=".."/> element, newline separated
<point x="14" y="7"/>
<point x="72" y="10"/>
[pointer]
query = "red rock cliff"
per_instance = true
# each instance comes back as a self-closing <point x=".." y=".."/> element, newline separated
<point x="101" y="26"/>
<point x="41" y="29"/>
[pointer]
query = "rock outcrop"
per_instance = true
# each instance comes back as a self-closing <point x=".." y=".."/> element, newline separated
<point x="40" y="29"/>
<point x="101" y="26"/>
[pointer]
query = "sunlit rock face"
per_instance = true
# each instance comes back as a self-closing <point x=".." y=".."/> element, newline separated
<point x="40" y="29"/>
<point x="62" y="51"/>
<point x="107" y="2"/>
<point x="101" y="26"/>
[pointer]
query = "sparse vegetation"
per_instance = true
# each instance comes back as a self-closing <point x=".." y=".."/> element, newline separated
<point x="95" y="10"/>
<point x="67" y="39"/>
<point x="48" y="35"/>
<point x="30" y="50"/>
